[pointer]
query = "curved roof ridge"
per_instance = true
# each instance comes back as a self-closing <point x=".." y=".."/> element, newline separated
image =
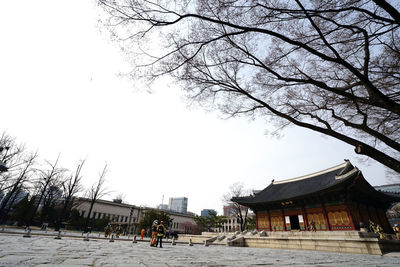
<point x="347" y="174"/>
<point x="337" y="167"/>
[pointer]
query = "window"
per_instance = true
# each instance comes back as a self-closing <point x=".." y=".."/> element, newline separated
<point x="263" y="222"/>
<point x="318" y="219"/>
<point x="277" y="223"/>
<point x="338" y="218"/>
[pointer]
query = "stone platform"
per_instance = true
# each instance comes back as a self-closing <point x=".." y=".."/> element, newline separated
<point x="331" y="241"/>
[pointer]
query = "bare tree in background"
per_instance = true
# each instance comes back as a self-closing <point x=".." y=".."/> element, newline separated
<point x="95" y="192"/>
<point x="51" y="200"/>
<point x="329" y="66"/>
<point x="71" y="186"/>
<point x="20" y="166"/>
<point x="23" y="174"/>
<point x="46" y="178"/>
<point x="15" y="157"/>
<point x="238" y="211"/>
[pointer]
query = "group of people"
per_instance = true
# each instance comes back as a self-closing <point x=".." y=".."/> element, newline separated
<point x="396" y="229"/>
<point x="109" y="229"/>
<point x="376" y="228"/>
<point x="158" y="231"/>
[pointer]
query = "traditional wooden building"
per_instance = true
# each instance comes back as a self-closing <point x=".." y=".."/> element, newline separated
<point x="335" y="199"/>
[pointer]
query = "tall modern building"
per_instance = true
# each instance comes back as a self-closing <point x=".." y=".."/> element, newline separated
<point x="178" y="204"/>
<point x="206" y="212"/>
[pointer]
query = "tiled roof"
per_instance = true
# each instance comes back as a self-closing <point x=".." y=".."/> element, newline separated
<point x="304" y="185"/>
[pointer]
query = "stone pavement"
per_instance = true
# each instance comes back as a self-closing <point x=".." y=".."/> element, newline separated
<point x="42" y="251"/>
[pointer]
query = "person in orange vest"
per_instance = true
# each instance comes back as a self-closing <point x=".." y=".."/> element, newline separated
<point x="142" y="232"/>
<point x="154" y="233"/>
<point x="161" y="230"/>
<point x="118" y="231"/>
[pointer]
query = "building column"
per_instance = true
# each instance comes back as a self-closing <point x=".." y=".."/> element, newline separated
<point x="359" y="216"/>
<point x="284" y="221"/>
<point x="368" y="213"/>
<point x="269" y="220"/>
<point x="350" y="217"/>
<point x="305" y="218"/>
<point x="256" y="220"/>
<point x="328" y="224"/>
<point x="379" y="217"/>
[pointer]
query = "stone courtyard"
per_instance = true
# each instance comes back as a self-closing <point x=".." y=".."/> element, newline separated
<point x="42" y="250"/>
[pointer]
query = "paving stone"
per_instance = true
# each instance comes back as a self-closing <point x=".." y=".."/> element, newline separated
<point x="47" y="251"/>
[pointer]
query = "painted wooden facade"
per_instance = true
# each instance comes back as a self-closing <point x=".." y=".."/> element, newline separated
<point x="336" y="199"/>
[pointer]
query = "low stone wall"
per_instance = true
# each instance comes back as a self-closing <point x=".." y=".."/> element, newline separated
<point x="196" y="239"/>
<point x="342" y="242"/>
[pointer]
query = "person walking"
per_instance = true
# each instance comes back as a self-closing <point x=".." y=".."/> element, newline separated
<point x="161" y="230"/>
<point x="154" y="227"/>
<point x="142" y="232"/>
<point x="397" y="231"/>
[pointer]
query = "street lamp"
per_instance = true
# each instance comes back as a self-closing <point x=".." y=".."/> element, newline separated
<point x="3" y="167"/>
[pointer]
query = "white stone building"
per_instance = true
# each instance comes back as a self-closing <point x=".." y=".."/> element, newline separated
<point x="130" y="215"/>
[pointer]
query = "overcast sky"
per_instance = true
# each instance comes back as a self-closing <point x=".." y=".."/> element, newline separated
<point x="60" y="92"/>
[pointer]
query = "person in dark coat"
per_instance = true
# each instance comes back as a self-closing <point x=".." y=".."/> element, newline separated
<point x="161" y="230"/>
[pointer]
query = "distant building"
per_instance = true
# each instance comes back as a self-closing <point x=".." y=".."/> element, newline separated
<point x="12" y="200"/>
<point x="206" y="212"/>
<point x="229" y="210"/>
<point x="393" y="214"/>
<point x="129" y="216"/>
<point x="178" y="204"/>
<point x="162" y="207"/>
<point x="389" y="188"/>
<point x="232" y="223"/>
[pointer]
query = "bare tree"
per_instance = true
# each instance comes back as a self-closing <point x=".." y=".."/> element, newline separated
<point x="329" y="66"/>
<point x="95" y="192"/>
<point x="237" y="211"/>
<point x="14" y="157"/>
<point x="47" y="177"/>
<point x="51" y="200"/>
<point x="71" y="186"/>
<point x="20" y="170"/>
<point x="24" y="175"/>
